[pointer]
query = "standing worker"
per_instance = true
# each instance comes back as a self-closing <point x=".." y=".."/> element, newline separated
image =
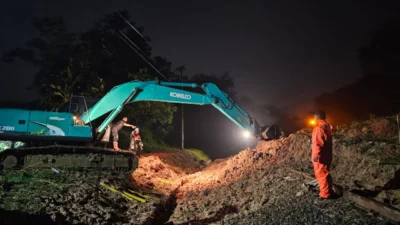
<point x="136" y="144"/>
<point x="321" y="155"/>
<point x="116" y="127"/>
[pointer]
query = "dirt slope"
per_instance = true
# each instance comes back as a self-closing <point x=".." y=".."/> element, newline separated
<point x="76" y="197"/>
<point x="365" y="157"/>
<point x="256" y="186"/>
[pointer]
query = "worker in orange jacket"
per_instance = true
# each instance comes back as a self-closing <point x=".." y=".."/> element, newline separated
<point x="321" y="155"/>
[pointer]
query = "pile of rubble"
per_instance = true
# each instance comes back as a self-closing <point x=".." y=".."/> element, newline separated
<point x="252" y="179"/>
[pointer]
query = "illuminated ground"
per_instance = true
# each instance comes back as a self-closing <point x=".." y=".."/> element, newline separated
<point x="256" y="186"/>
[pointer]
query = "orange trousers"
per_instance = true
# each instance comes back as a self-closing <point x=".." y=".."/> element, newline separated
<point x="324" y="179"/>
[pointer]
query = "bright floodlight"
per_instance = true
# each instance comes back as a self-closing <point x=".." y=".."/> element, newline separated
<point x="246" y="134"/>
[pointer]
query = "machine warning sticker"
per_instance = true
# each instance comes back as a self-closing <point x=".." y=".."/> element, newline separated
<point x="7" y="128"/>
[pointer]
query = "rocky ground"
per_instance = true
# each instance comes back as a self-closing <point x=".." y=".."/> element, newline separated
<point x="264" y="185"/>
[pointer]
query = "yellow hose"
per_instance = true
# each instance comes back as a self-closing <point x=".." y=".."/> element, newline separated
<point x="126" y="195"/>
<point x="140" y="195"/>
<point x="135" y="197"/>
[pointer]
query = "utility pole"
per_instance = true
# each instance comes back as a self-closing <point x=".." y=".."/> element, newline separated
<point x="398" y="125"/>
<point x="183" y="125"/>
<point x="181" y="69"/>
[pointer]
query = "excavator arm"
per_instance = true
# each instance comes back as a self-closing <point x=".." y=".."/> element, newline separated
<point x="159" y="91"/>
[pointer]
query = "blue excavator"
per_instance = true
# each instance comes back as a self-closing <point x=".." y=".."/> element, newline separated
<point x="66" y="137"/>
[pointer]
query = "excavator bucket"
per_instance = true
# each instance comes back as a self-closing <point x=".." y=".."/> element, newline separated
<point x="269" y="133"/>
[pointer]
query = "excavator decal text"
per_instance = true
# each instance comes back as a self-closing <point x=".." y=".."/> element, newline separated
<point x="179" y="95"/>
<point x="7" y="128"/>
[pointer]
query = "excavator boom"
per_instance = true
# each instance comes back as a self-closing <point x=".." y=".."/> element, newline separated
<point x="135" y="91"/>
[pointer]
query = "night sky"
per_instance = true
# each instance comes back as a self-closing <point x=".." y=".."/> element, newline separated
<point x="283" y="53"/>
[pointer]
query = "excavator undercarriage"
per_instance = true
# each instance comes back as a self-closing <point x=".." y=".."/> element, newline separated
<point x="63" y="156"/>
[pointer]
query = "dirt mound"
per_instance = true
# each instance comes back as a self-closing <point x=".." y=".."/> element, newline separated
<point x="368" y="163"/>
<point x="160" y="171"/>
<point x="77" y="197"/>
<point x="250" y="180"/>
<point x="187" y="162"/>
<point x="375" y="128"/>
<point x="256" y="186"/>
<point x="153" y="174"/>
<point x="271" y="195"/>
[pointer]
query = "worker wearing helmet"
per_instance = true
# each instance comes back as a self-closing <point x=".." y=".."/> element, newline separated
<point x="321" y="155"/>
<point x="116" y="127"/>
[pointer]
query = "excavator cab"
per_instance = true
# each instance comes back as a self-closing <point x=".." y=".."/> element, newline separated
<point x="77" y="106"/>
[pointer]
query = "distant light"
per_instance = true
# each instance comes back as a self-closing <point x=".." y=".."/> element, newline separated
<point x="246" y="134"/>
<point x="74" y="117"/>
<point x="313" y="122"/>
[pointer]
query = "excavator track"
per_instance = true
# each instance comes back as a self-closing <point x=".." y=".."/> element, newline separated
<point x="63" y="156"/>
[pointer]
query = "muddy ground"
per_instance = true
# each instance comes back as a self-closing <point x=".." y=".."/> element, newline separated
<point x="76" y="197"/>
<point x="256" y="186"/>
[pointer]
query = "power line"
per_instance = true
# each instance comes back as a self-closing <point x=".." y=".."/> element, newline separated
<point x="144" y="58"/>
<point x="137" y="47"/>
<point x="133" y="44"/>
<point x="131" y="25"/>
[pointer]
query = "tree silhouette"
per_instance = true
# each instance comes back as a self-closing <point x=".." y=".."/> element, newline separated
<point x="92" y="62"/>
<point x="98" y="57"/>
<point x="50" y="51"/>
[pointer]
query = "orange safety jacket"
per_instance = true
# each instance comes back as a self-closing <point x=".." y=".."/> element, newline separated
<point x="322" y="143"/>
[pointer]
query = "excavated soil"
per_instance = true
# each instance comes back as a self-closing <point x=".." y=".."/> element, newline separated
<point x="76" y="197"/>
<point x="259" y="186"/>
<point x="71" y="197"/>
<point x="256" y="186"/>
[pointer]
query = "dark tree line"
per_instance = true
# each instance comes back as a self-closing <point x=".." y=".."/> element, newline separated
<point x="92" y="62"/>
<point x="377" y="93"/>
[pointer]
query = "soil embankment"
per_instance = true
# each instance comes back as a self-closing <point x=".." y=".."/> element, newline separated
<point x="264" y="185"/>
